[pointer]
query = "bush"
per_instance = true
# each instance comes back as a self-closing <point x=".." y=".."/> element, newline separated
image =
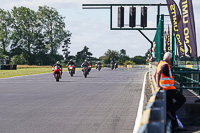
<point x="128" y="63"/>
<point x="139" y="60"/>
<point x="122" y="59"/>
<point x="19" y="59"/>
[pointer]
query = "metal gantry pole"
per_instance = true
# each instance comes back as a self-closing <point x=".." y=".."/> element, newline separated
<point x="162" y="36"/>
<point x="111" y="17"/>
<point x="158" y="15"/>
<point x="173" y="47"/>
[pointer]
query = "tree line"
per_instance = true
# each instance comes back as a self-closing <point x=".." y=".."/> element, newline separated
<point x="110" y="55"/>
<point x="34" y="37"/>
<point x="121" y="58"/>
<point x="31" y="37"/>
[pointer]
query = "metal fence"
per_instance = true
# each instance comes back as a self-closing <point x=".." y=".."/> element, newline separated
<point x="188" y="78"/>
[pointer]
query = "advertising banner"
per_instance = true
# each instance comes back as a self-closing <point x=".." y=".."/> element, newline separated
<point x="177" y="26"/>
<point x="189" y="27"/>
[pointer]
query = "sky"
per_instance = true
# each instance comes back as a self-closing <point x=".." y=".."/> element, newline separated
<point x="91" y="27"/>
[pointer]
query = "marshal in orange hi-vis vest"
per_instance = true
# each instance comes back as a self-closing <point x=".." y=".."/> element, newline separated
<point x="166" y="82"/>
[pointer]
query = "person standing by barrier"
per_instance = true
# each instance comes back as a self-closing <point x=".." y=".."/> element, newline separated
<point x="165" y="81"/>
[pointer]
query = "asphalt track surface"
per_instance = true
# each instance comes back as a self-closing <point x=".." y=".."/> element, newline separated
<point x="105" y="102"/>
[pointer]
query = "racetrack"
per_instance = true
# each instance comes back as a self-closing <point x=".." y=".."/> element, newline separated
<point x="105" y="102"/>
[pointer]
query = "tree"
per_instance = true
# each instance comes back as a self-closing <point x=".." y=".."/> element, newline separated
<point x="37" y="35"/>
<point x="1" y="54"/>
<point x="139" y="59"/>
<point x="19" y="59"/>
<point x="123" y="57"/>
<point x="122" y="52"/>
<point x="25" y="30"/>
<point x="110" y="55"/>
<point x="40" y="56"/>
<point x="53" y="27"/>
<point x="82" y="55"/>
<point x="5" y="29"/>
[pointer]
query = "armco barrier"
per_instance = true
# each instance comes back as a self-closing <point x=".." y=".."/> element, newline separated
<point x="154" y="118"/>
<point x="8" y="67"/>
<point x="154" y="115"/>
<point x="136" y="66"/>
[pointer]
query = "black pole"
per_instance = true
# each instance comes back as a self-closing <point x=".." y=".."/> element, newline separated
<point x="162" y="37"/>
<point x="198" y="61"/>
<point x="158" y="15"/>
<point x="146" y="38"/>
<point x="110" y="17"/>
<point x="185" y="60"/>
<point x="177" y="55"/>
<point x="173" y="47"/>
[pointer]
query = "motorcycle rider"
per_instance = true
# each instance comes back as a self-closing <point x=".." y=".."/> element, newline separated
<point x="90" y="66"/>
<point x="97" y="64"/>
<point x="58" y="64"/>
<point x="85" y="63"/>
<point x="112" y="63"/>
<point x="71" y="63"/>
<point x="116" y="65"/>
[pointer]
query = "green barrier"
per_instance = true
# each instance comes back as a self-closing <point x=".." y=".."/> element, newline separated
<point x="188" y="78"/>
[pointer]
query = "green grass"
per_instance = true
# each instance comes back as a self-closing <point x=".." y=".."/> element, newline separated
<point x="26" y="71"/>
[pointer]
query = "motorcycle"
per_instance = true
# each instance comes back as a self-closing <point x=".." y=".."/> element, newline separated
<point x="99" y="67"/>
<point x="85" y="71"/>
<point x="112" y="66"/>
<point x="71" y="70"/>
<point x="89" y="67"/>
<point x="56" y="70"/>
<point x="116" y="66"/>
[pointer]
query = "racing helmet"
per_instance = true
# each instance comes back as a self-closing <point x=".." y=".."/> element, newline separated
<point x="58" y="62"/>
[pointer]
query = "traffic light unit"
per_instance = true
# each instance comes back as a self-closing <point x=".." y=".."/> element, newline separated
<point x="132" y="17"/>
<point x="143" y="17"/>
<point x="120" y="17"/>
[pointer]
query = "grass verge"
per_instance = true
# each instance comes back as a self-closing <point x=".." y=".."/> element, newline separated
<point x="26" y="71"/>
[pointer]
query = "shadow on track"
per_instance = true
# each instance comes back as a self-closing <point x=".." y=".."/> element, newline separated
<point x="93" y="77"/>
<point x="65" y="81"/>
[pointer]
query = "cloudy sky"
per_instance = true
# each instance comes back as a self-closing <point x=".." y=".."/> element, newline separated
<point x="91" y="27"/>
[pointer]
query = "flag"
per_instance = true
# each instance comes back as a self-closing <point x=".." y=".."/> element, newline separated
<point x="177" y="26"/>
<point x="189" y="27"/>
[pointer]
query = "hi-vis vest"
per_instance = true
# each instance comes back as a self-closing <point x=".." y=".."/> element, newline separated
<point x="166" y="82"/>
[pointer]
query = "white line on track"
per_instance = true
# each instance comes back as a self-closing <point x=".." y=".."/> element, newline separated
<point x="140" y="108"/>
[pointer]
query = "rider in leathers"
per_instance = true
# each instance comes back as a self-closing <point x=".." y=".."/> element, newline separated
<point x="58" y="64"/>
<point x="71" y="63"/>
<point x="85" y="63"/>
<point x="97" y="64"/>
